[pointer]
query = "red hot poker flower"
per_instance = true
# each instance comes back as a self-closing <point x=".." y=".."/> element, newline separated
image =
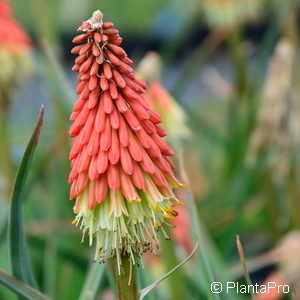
<point x="121" y="172"/>
<point x="15" y="46"/>
<point x="12" y="36"/>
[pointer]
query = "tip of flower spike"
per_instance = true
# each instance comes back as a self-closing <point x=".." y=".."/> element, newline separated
<point x="96" y="19"/>
<point x="93" y="23"/>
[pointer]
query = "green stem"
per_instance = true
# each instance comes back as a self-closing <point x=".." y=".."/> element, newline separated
<point x="271" y="202"/>
<point x="293" y="192"/>
<point x="126" y="281"/>
<point x="5" y="149"/>
<point x="176" y="282"/>
<point x="241" y="64"/>
<point x="205" y="272"/>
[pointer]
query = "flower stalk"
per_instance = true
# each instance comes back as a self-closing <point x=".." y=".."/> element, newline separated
<point x="5" y="152"/>
<point x="126" y="280"/>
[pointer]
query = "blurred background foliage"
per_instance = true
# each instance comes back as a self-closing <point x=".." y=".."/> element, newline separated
<point x="233" y="66"/>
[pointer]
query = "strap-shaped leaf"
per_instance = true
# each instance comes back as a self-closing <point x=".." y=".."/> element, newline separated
<point x="92" y="281"/>
<point x="150" y="287"/>
<point x="20" y="287"/>
<point x="20" y="260"/>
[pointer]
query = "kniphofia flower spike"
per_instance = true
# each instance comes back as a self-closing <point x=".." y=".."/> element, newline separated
<point x="15" y="46"/>
<point x="160" y="100"/>
<point x="121" y="172"/>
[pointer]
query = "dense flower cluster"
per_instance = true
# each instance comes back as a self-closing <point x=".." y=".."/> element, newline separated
<point x="121" y="172"/>
<point x="14" y="47"/>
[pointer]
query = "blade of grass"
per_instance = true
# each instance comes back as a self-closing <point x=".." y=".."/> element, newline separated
<point x="20" y="287"/>
<point x="50" y="267"/>
<point x="235" y="271"/>
<point x="208" y="251"/>
<point x="3" y="219"/>
<point x="206" y="273"/>
<point x="92" y="281"/>
<point x="19" y="256"/>
<point x="243" y="262"/>
<point x="176" y="283"/>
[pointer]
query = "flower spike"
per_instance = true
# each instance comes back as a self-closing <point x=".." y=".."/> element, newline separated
<point x="121" y="172"/>
<point x="15" y="48"/>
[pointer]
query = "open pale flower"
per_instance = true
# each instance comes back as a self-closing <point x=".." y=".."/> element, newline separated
<point x="121" y="172"/>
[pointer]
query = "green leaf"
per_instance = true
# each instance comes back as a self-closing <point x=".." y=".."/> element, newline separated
<point x="20" y="287"/>
<point x="207" y="251"/>
<point x="145" y="291"/>
<point x="3" y="220"/>
<point x="92" y="281"/>
<point x="19" y="256"/>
